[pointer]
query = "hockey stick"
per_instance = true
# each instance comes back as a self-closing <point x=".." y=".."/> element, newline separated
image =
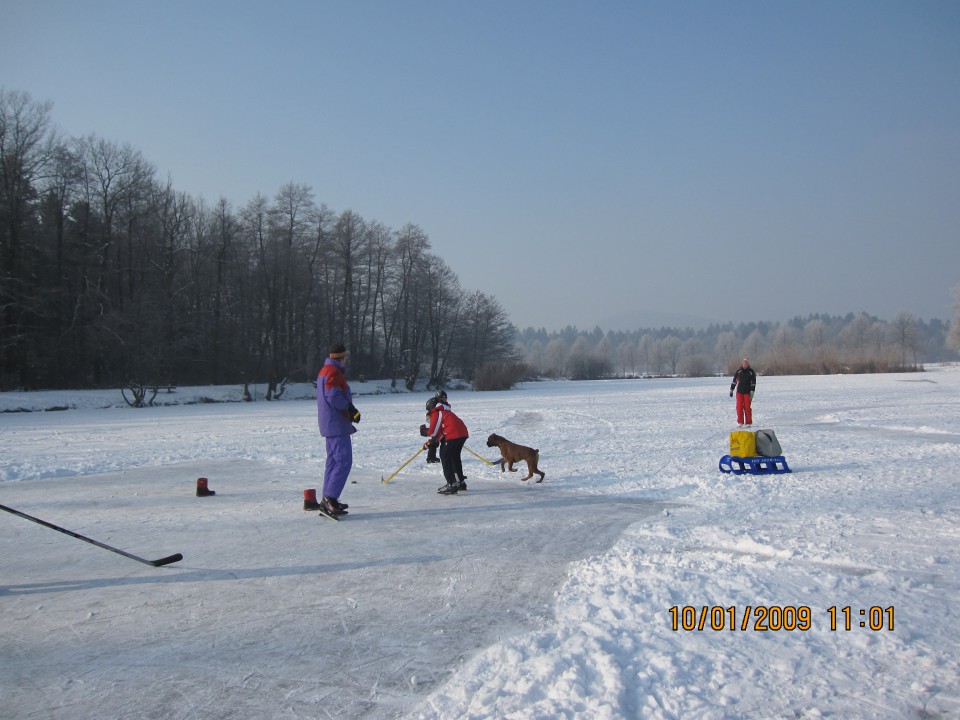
<point x="479" y="456"/>
<point x="386" y="480"/>
<point x="154" y="563"/>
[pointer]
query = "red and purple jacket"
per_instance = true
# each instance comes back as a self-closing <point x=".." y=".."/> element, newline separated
<point x="333" y="400"/>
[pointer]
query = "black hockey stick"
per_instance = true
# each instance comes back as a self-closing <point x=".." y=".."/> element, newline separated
<point x="154" y="563"/>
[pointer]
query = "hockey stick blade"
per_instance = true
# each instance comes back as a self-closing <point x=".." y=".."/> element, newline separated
<point x="78" y="536"/>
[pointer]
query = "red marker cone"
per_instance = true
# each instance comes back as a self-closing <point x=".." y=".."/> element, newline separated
<point x="310" y="500"/>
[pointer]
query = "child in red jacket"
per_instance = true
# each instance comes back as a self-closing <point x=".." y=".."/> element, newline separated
<point x="445" y="424"/>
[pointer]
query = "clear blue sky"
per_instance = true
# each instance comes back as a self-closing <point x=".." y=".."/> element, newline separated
<point x="611" y="163"/>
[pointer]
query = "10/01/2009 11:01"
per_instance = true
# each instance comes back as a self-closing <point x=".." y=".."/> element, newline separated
<point x="766" y="618"/>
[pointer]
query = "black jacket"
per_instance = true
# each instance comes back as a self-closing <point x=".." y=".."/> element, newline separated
<point x="744" y="380"/>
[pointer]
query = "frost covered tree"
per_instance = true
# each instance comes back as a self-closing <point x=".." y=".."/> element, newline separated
<point x="555" y="357"/>
<point x="953" y="334"/>
<point x="726" y="348"/>
<point x="752" y="348"/>
<point x="905" y="334"/>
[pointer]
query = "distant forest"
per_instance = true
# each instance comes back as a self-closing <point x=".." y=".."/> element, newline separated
<point x="818" y="344"/>
<point x="110" y="277"/>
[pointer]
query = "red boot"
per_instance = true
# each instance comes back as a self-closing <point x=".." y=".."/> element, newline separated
<point x="310" y="500"/>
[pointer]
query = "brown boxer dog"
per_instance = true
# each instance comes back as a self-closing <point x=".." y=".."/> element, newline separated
<point x="510" y="453"/>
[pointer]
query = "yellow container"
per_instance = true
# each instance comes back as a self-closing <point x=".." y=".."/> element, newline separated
<point x="743" y="443"/>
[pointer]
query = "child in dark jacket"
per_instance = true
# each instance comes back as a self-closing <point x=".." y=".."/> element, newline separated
<point x="432" y="450"/>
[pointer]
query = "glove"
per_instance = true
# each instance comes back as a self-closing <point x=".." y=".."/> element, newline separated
<point x="423" y="430"/>
<point x="731" y="393"/>
<point x="751" y="394"/>
<point x="353" y="413"/>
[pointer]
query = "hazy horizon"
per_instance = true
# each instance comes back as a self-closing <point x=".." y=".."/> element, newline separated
<point x="680" y="322"/>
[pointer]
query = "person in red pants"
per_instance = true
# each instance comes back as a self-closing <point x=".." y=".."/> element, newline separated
<point x="745" y="383"/>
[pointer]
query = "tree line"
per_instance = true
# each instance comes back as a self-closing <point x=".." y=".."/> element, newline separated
<point x="817" y="344"/>
<point x="110" y="276"/>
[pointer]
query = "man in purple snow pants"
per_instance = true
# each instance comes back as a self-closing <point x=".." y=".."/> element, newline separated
<point x="336" y="416"/>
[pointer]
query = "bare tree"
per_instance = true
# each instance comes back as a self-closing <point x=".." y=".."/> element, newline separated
<point x="118" y="188"/>
<point x="752" y="348"/>
<point x="400" y="299"/>
<point x="54" y="277"/>
<point x="487" y="335"/>
<point x="697" y="365"/>
<point x="448" y="322"/>
<point x="174" y="216"/>
<point x="555" y="357"/>
<point x="783" y="350"/>
<point x="118" y="180"/>
<point x="658" y="356"/>
<point x="222" y="247"/>
<point x="855" y="337"/>
<point x="693" y="361"/>
<point x="629" y="355"/>
<point x="671" y="351"/>
<point x="373" y="278"/>
<point x="584" y="363"/>
<point x="906" y="335"/>
<point x="815" y="334"/>
<point x="26" y="153"/>
<point x="726" y="348"/>
<point x="643" y="348"/>
<point x="533" y="356"/>
<point x="953" y="334"/>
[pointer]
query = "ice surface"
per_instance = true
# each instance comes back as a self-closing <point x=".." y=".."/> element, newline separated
<point x="510" y="600"/>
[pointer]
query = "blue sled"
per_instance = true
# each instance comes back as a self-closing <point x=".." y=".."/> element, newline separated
<point x="757" y="465"/>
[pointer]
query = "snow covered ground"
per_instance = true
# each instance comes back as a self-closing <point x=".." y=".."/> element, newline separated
<point x="579" y="597"/>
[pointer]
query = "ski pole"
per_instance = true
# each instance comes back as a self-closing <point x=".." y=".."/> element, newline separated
<point x="479" y="456"/>
<point x="154" y="563"/>
<point x="386" y="480"/>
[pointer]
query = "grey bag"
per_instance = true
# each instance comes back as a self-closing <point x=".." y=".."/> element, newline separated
<point x="767" y="444"/>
